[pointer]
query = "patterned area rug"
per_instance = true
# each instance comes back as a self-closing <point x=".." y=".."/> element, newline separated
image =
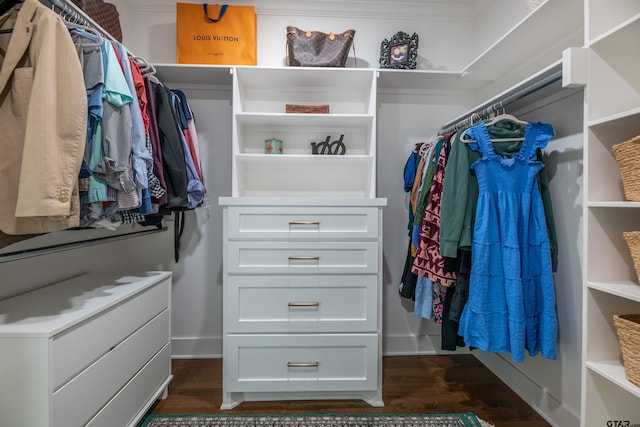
<point x="450" y="420"/>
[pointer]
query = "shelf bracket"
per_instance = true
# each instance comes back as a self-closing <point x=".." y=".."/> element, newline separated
<point x="574" y="67"/>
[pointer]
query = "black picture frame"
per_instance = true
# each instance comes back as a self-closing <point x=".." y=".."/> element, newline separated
<point x="400" y="52"/>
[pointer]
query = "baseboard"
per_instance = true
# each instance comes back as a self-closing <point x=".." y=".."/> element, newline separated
<point x="196" y="348"/>
<point x="549" y="408"/>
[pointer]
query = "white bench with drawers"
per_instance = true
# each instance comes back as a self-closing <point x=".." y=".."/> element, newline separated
<point x="93" y="350"/>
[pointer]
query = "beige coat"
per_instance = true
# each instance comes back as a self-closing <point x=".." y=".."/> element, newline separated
<point x="43" y="122"/>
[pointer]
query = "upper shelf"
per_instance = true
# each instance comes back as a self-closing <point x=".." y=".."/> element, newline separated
<point x="195" y="74"/>
<point x="621" y="37"/>
<point x="536" y="35"/>
<point x="603" y="18"/>
<point x="533" y="35"/>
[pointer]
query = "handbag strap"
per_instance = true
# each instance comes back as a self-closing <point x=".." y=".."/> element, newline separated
<point x="355" y="57"/>
<point x="223" y="9"/>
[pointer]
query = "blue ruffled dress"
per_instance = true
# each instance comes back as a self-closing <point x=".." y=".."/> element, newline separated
<point x="511" y="306"/>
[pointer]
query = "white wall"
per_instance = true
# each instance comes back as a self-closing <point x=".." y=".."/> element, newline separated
<point x="197" y="293"/>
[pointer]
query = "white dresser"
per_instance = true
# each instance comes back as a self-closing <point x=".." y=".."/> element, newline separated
<point x="303" y="239"/>
<point x="93" y="350"/>
<point x="302" y="299"/>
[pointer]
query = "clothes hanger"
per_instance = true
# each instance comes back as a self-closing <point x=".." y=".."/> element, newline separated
<point x="424" y="149"/>
<point x="86" y="32"/>
<point x="502" y="116"/>
<point x="146" y="68"/>
<point x="73" y="22"/>
<point x="505" y="116"/>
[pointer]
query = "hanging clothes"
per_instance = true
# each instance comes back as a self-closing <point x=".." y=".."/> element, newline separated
<point x="85" y="132"/>
<point x="428" y="264"/>
<point x="43" y="117"/>
<point x="189" y="131"/>
<point x="139" y="155"/>
<point x="159" y="190"/>
<point x="419" y="201"/>
<point x="415" y="175"/>
<point x="454" y="303"/>
<point x="115" y="167"/>
<point x="511" y="306"/>
<point x="195" y="187"/>
<point x="428" y="261"/>
<point x="172" y="148"/>
<point x="460" y="191"/>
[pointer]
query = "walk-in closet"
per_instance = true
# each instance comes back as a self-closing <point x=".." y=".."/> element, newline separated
<point x="210" y="282"/>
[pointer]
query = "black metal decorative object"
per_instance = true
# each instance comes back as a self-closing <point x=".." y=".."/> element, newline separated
<point x="401" y="52"/>
<point x="326" y="147"/>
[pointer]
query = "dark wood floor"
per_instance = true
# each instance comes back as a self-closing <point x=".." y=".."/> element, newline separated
<point x="411" y="385"/>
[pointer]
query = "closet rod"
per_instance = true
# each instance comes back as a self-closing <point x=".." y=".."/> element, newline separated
<point x="502" y="101"/>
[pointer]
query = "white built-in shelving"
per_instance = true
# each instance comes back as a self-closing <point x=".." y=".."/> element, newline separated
<point x="260" y="96"/>
<point x="612" y="109"/>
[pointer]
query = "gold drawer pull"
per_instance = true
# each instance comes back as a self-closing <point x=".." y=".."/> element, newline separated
<point x="304" y="222"/>
<point x="304" y="304"/>
<point x="304" y="258"/>
<point x="303" y="365"/>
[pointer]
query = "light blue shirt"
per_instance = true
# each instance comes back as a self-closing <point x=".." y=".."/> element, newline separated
<point x="141" y="157"/>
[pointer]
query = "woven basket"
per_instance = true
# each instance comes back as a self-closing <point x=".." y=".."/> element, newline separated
<point x="633" y="241"/>
<point x="627" y="155"/>
<point x="628" y="329"/>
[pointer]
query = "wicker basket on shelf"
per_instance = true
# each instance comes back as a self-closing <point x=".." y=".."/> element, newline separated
<point x="628" y="329"/>
<point x="627" y="155"/>
<point x="633" y="242"/>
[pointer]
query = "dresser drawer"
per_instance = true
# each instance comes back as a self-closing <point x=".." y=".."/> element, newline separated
<point x="302" y="257"/>
<point x="75" y="349"/>
<point x="323" y="303"/>
<point x="298" y="363"/>
<point x="80" y="399"/>
<point x="136" y="394"/>
<point x="273" y="222"/>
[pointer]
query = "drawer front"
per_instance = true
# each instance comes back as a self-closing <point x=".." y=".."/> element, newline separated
<point x="321" y="303"/>
<point x="81" y="398"/>
<point x="300" y="363"/>
<point x="136" y="395"/>
<point x="302" y="223"/>
<point x="77" y="348"/>
<point x="302" y="257"/>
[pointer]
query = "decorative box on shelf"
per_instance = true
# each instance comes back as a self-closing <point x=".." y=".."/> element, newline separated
<point x="307" y="109"/>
